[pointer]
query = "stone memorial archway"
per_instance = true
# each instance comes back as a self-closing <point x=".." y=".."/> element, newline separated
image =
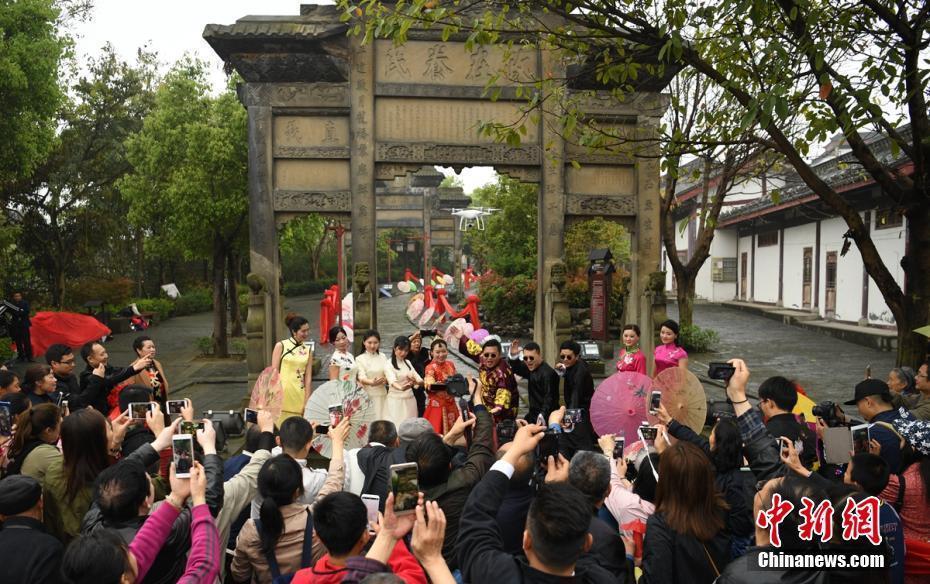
<point x="329" y="116"/>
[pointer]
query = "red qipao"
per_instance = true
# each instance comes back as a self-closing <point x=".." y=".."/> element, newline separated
<point x="441" y="410"/>
<point x="634" y="362"/>
<point x="498" y="386"/>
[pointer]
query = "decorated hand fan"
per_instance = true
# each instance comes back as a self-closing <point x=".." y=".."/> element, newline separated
<point x="267" y="393"/>
<point x="356" y="405"/>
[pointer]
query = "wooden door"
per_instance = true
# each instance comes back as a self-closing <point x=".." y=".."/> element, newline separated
<point x="808" y="269"/>
<point x="830" y="304"/>
<point x="743" y="275"/>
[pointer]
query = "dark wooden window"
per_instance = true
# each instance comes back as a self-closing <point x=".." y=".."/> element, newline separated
<point x="768" y="238"/>
<point x="888" y="219"/>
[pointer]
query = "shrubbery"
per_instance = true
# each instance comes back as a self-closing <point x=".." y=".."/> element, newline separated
<point x="698" y="340"/>
<point x="162" y="307"/>
<point x="508" y="300"/>
<point x="194" y="300"/>
<point x="6" y="349"/>
<point x="304" y="288"/>
<point x="115" y="293"/>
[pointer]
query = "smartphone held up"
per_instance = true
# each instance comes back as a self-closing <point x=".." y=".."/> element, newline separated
<point x="405" y="486"/>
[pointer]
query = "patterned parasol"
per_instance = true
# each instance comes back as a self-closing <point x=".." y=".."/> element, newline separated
<point x="267" y="393"/>
<point x="683" y="397"/>
<point x="415" y="307"/>
<point x="356" y="405"/>
<point x="619" y="405"/>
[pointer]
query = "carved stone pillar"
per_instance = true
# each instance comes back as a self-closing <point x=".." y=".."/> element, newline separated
<point x="551" y="226"/>
<point x="646" y="253"/>
<point x="364" y="232"/>
<point x="256" y="328"/>
<point x="559" y="319"/>
<point x="263" y="236"/>
<point x="364" y="298"/>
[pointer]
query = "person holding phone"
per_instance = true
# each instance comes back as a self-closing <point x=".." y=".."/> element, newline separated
<point x="293" y="360"/>
<point x="401" y="404"/>
<point x="631" y="357"/>
<point x="441" y="410"/>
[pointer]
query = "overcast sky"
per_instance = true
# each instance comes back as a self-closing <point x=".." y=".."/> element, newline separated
<point x="174" y="27"/>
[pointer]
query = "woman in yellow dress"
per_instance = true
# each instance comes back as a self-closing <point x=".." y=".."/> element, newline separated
<point x="293" y="361"/>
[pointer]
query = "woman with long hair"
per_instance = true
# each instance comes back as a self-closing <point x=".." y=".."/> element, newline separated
<point x="373" y="371"/>
<point x="152" y="376"/>
<point x="342" y="359"/>
<point x="685" y="538"/>
<point x="88" y="440"/>
<point x="33" y="448"/>
<point x="40" y="385"/>
<point x="278" y="536"/>
<point x="402" y="378"/>
<point x="420" y="357"/>
<point x="670" y="353"/>
<point x="292" y="359"/>
<point x="724" y="448"/>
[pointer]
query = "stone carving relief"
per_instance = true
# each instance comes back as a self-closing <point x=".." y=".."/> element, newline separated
<point x="601" y="205"/>
<point x="430" y="153"/>
<point x="313" y="201"/>
<point x="296" y="94"/>
<point x="311" y="152"/>
<point x="392" y="171"/>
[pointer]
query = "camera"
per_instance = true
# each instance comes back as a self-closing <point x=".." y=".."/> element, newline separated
<point x="720" y="371"/>
<point x="826" y="411"/>
<point x="457" y="385"/>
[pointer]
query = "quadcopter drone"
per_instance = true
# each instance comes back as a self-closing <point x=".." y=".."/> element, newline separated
<point x="471" y="217"/>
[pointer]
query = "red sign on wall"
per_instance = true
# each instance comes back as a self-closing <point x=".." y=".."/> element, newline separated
<point x="598" y="307"/>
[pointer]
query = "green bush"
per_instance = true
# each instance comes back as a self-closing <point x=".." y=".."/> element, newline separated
<point x="508" y="300"/>
<point x="304" y="288"/>
<point x="162" y="307"/>
<point x="6" y="349"/>
<point x="698" y="340"/>
<point x="237" y="345"/>
<point x="193" y="301"/>
<point x="205" y="345"/>
<point x="115" y="293"/>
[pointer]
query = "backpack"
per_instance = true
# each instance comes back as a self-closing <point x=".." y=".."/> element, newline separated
<point x="306" y="556"/>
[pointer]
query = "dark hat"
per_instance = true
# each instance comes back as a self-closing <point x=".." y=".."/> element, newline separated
<point x="868" y="387"/>
<point x="18" y="493"/>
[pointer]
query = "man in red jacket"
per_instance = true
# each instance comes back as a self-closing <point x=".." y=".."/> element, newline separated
<point x="341" y="522"/>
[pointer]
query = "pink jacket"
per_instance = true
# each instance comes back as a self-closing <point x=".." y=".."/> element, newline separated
<point x="202" y="563"/>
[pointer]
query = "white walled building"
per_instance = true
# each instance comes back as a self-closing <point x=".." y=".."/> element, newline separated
<point x="789" y="253"/>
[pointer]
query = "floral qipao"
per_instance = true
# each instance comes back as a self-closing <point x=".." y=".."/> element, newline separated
<point x="633" y="361"/>
<point x="441" y="410"/>
<point x="293" y="368"/>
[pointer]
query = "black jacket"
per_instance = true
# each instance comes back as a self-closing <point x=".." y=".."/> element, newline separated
<point x="745" y="570"/>
<point x="28" y="552"/>
<point x="94" y="390"/>
<point x="670" y="557"/>
<point x="452" y="494"/>
<point x="543" y="388"/>
<point x="732" y="484"/>
<point x="607" y="549"/>
<point x="511" y="517"/>
<point x="481" y="549"/>
<point x="787" y="425"/>
<point x="172" y="559"/>
<point x="579" y="386"/>
<point x="375" y="463"/>
<point x="67" y="386"/>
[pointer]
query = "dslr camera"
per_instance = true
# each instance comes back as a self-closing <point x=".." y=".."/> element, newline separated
<point x="826" y="410"/>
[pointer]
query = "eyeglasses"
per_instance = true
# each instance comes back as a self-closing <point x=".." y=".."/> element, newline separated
<point x="488" y="355"/>
<point x="68" y="362"/>
<point x="566" y="357"/>
<point x="528" y="359"/>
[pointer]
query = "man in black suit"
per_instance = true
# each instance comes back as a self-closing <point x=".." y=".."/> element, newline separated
<point x="19" y="328"/>
<point x="99" y="377"/>
<point x="542" y="380"/>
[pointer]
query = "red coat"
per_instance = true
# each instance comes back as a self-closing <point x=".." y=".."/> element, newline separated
<point x="402" y="564"/>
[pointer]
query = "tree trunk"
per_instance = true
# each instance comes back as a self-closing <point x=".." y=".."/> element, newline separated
<point x="140" y="263"/>
<point x="914" y="311"/>
<point x="235" y="317"/>
<point x="220" y="338"/>
<point x="58" y="284"/>
<point x="685" y="286"/>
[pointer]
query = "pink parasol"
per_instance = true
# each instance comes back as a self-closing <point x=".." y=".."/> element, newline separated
<point x="618" y="406"/>
<point x="683" y="397"/>
<point x="267" y="393"/>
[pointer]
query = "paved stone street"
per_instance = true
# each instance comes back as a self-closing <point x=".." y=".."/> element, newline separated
<point x="827" y="368"/>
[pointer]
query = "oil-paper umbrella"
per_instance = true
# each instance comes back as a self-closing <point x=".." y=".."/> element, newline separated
<point x="683" y="397"/>
<point x="267" y="393"/>
<point x="415" y="307"/>
<point x="619" y="405"/>
<point x="356" y="405"/>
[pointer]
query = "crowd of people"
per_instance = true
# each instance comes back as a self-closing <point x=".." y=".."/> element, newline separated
<point x="93" y="493"/>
